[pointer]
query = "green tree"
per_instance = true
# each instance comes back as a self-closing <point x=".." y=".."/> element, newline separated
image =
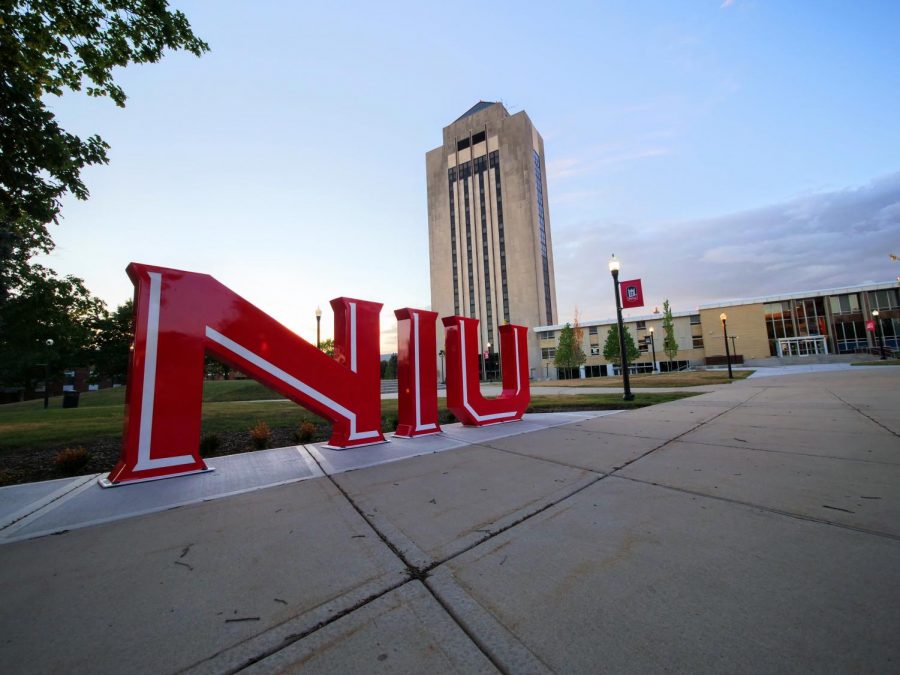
<point x="569" y="353"/>
<point x="47" y="307"/>
<point x="389" y="368"/>
<point x="327" y="346"/>
<point x="611" y="348"/>
<point x="47" y="47"/>
<point x="670" y="344"/>
<point x="114" y="334"/>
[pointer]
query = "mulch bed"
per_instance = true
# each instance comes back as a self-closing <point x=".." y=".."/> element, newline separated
<point x="28" y="465"/>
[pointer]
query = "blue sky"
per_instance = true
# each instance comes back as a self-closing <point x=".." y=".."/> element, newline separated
<point x="720" y="149"/>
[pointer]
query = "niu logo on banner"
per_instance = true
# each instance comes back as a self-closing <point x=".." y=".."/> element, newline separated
<point x="181" y="316"/>
<point x="632" y="294"/>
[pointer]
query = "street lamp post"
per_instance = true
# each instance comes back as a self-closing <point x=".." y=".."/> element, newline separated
<point x="318" y="327"/>
<point x="488" y="363"/>
<point x="614" y="269"/>
<point x="441" y="354"/>
<point x="733" y="348"/>
<point x="49" y="344"/>
<point x="724" y="317"/>
<point x="653" y="347"/>
<point x="880" y="343"/>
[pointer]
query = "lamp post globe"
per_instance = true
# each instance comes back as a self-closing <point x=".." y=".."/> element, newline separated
<point x="724" y="318"/>
<point x="614" y="270"/>
<point x="614" y="265"/>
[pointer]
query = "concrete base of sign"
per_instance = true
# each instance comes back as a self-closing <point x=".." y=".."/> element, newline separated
<point x="354" y="447"/>
<point x="105" y="482"/>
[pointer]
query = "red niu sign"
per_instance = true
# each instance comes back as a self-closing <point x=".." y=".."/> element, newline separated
<point x="181" y="316"/>
<point x="632" y="295"/>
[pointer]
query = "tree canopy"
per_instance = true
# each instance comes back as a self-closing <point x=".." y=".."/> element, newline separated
<point x="46" y="47"/>
<point x="611" y="348"/>
<point x="113" y="335"/>
<point x="47" y="307"/>
<point x="569" y="353"/>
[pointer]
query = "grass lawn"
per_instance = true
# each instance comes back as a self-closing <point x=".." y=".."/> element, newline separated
<point x="886" y="362"/>
<point x="677" y="379"/>
<point x="229" y="406"/>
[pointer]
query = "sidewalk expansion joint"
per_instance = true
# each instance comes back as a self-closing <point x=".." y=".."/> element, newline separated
<point x="462" y="626"/>
<point x="411" y="570"/>
<point x="296" y="637"/>
<point x="494" y="533"/>
<point x="767" y="509"/>
<point x="422" y="574"/>
<point x="43" y="506"/>
<point x="720" y="444"/>
<point x="871" y="419"/>
<point x="414" y="574"/>
<point x="549" y="460"/>
<point x="681" y="435"/>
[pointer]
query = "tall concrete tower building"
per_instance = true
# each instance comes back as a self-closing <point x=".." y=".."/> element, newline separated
<point x="489" y="225"/>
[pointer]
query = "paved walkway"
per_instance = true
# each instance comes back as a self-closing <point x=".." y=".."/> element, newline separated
<point x="752" y="529"/>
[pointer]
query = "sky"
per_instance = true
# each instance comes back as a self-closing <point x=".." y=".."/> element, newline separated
<point x="721" y="149"/>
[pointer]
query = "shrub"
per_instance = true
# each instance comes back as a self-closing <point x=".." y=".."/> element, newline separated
<point x="305" y="432"/>
<point x="209" y="444"/>
<point x="72" y="460"/>
<point x="388" y="423"/>
<point x="259" y="435"/>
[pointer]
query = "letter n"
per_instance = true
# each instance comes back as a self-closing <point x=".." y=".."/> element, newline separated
<point x="416" y="373"/>
<point x="180" y="316"/>
<point x="464" y="397"/>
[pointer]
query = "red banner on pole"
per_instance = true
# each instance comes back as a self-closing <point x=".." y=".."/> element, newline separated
<point x="632" y="294"/>
<point x="870" y="326"/>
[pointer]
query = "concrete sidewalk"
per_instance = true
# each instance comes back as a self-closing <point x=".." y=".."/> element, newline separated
<point x="754" y="528"/>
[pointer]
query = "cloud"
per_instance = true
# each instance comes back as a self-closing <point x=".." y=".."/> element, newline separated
<point x="563" y="167"/>
<point x="726" y="3"/>
<point x="603" y="157"/>
<point x="825" y="240"/>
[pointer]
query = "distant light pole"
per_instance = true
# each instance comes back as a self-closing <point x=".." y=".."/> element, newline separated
<point x="49" y="344"/>
<point x="441" y="354"/>
<point x="614" y="268"/>
<point x="318" y="327"/>
<point x="723" y="316"/>
<point x="653" y="347"/>
<point x="488" y="365"/>
<point x="733" y="348"/>
<point x="878" y="325"/>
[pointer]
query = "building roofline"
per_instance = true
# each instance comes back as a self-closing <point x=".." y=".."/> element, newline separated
<point x="608" y="322"/>
<point x="478" y="107"/>
<point x="878" y="286"/>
